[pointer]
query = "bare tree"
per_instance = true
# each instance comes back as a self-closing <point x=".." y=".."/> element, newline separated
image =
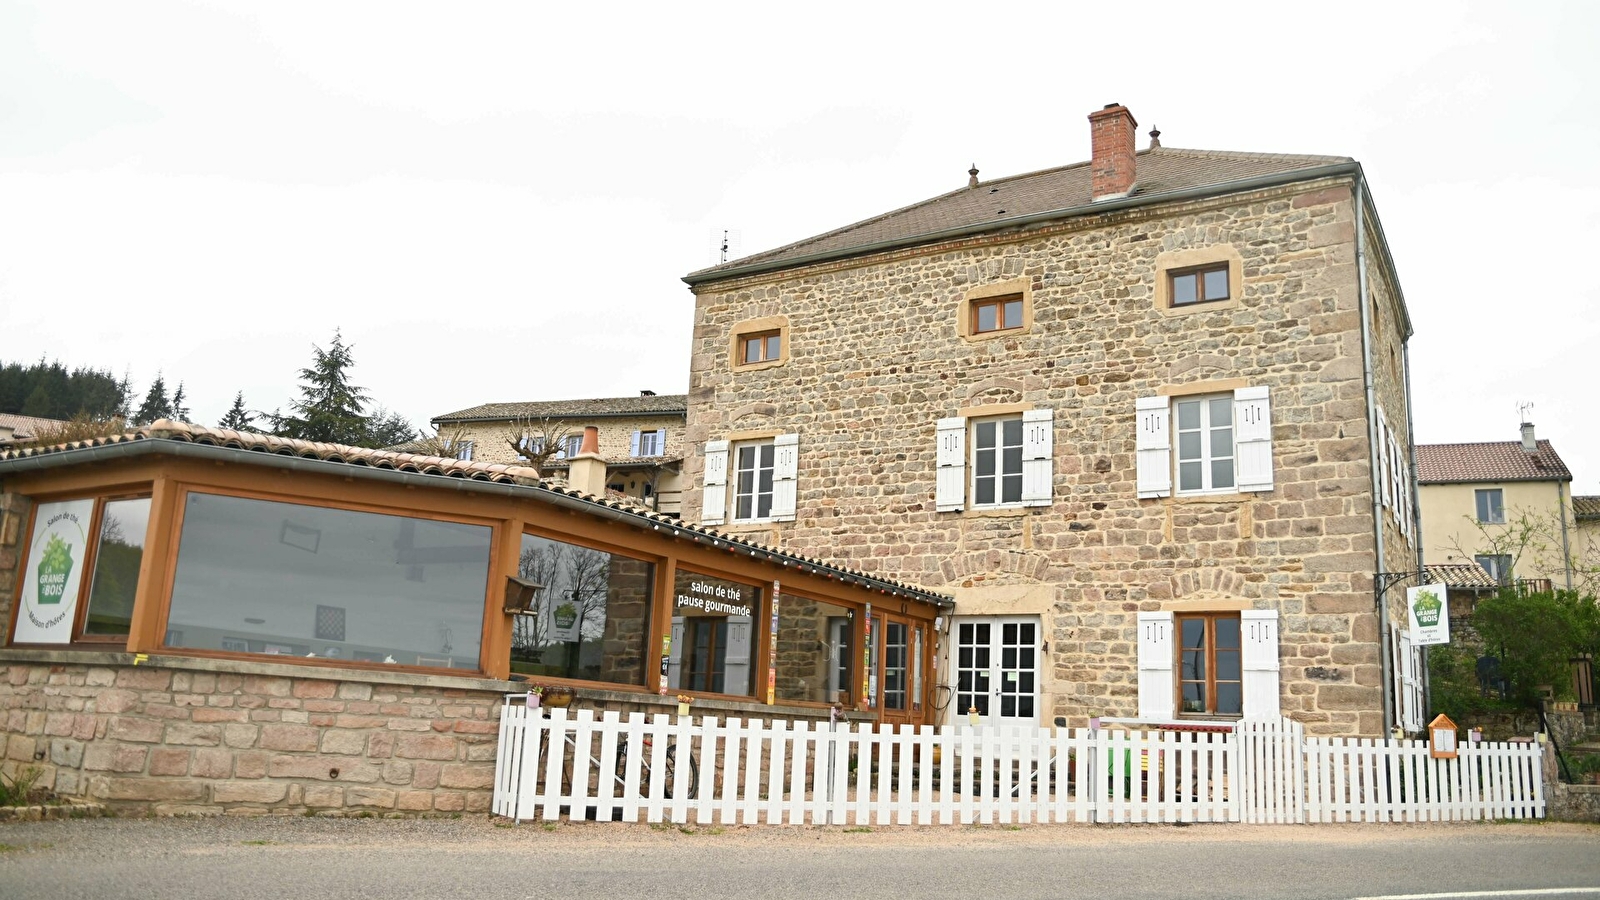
<point x="538" y="439"/>
<point x="1534" y="542"/>
<point x="447" y="442"/>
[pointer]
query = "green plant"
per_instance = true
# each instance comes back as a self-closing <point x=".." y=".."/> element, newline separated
<point x="18" y="789"/>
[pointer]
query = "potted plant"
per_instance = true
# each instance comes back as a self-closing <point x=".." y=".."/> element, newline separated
<point x="683" y="704"/>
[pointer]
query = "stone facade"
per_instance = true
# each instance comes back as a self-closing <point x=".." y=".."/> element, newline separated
<point x="878" y="356"/>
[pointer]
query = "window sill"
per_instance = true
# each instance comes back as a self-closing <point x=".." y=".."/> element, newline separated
<point x="1006" y="511"/>
<point x="764" y="364"/>
<point x="1226" y="497"/>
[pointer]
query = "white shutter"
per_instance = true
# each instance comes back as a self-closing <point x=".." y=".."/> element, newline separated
<point x="1259" y="635"/>
<point x="714" y="484"/>
<point x="951" y="489"/>
<point x="785" y="469"/>
<point x="633" y="448"/>
<point x="1252" y="438"/>
<point x="1155" y="665"/>
<point x="661" y="442"/>
<point x="1154" y="447"/>
<point x="1038" y="463"/>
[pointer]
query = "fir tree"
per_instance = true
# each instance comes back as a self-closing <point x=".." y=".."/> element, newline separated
<point x="156" y="404"/>
<point x="180" y="413"/>
<point x="237" y="418"/>
<point x="330" y="408"/>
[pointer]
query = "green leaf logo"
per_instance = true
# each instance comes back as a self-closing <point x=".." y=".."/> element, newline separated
<point x="54" y="567"/>
<point x="1427" y="608"/>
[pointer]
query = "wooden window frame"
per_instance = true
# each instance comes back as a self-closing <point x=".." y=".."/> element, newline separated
<point x="999" y="305"/>
<point x="760" y="339"/>
<point x="91" y="558"/>
<point x="1200" y="272"/>
<point x="1210" y="681"/>
<point x="493" y="588"/>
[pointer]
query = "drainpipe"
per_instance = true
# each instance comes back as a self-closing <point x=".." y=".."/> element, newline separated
<point x="1566" y="549"/>
<point x="1373" y="452"/>
<point x="1416" y="508"/>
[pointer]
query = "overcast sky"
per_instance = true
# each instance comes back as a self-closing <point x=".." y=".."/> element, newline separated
<point x="497" y="201"/>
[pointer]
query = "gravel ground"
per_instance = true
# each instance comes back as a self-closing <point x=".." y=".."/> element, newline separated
<point x="309" y="858"/>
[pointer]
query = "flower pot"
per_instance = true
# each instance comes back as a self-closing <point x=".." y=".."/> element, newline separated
<point x="683" y="709"/>
<point x="558" y="696"/>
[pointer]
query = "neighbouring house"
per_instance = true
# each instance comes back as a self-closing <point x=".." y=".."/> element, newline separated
<point x="1145" y="417"/>
<point x="200" y="620"/>
<point x="1506" y="505"/>
<point x="641" y="439"/>
<point x="15" y="429"/>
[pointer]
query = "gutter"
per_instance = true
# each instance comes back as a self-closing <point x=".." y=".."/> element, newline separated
<point x="211" y="452"/>
<point x="1275" y="179"/>
<point x="1373" y="451"/>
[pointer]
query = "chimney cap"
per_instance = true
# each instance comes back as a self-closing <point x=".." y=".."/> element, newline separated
<point x="1111" y="106"/>
<point x="1155" y="137"/>
<point x="972" y="176"/>
<point x="647" y="393"/>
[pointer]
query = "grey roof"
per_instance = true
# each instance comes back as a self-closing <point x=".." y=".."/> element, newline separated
<point x="1489" y="461"/>
<point x="603" y="407"/>
<point x="26" y="426"/>
<point x="1000" y="202"/>
<point x="1586" y="508"/>
<point x="1460" y="575"/>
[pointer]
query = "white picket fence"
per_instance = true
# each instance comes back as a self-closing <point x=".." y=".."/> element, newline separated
<point x="749" y="773"/>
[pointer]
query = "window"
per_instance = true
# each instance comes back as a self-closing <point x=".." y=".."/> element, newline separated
<point x="761" y="347"/>
<point x="1210" y="671"/>
<point x="81" y="571"/>
<point x="812" y="656"/>
<point x="571" y="446"/>
<point x="1207" y="284"/>
<point x="1491" y="507"/>
<point x="464" y="450"/>
<point x="997" y="461"/>
<point x="998" y="314"/>
<point x="753" y="468"/>
<point x="591" y="617"/>
<point x="997" y="669"/>
<point x="713" y="643"/>
<point x="1498" y="565"/>
<point x="649" y="443"/>
<point x="291" y="579"/>
<point x="1205" y="445"/>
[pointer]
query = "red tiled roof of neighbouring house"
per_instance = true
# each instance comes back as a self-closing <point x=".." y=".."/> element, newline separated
<point x="25" y="427"/>
<point x="1586" y="509"/>
<point x="1001" y="201"/>
<point x="602" y="407"/>
<point x="1491" y="461"/>
<point x="1460" y="575"/>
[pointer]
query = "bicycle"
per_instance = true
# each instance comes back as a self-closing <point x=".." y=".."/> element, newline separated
<point x="667" y="769"/>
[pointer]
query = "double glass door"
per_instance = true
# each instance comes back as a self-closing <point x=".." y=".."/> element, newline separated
<point x="997" y="670"/>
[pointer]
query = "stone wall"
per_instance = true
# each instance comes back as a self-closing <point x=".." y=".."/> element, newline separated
<point x="14" y="511"/>
<point x="878" y="356"/>
<point x="176" y="741"/>
<point x="616" y="435"/>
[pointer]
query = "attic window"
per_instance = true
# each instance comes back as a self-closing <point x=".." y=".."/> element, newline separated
<point x="1207" y="284"/>
<point x="997" y="314"/>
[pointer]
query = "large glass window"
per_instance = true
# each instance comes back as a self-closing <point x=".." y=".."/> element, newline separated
<point x="1210" y="676"/>
<point x="997" y="461"/>
<point x="813" y="651"/>
<point x="713" y="635"/>
<point x="259" y="576"/>
<point x="116" y="566"/>
<point x="1205" y="445"/>
<point x="591" y="614"/>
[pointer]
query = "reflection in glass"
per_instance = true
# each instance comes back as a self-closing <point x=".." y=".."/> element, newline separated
<point x="591" y="619"/>
<point x="812" y="655"/>
<point x="116" y="566"/>
<point x="252" y="573"/>
<point x="713" y="644"/>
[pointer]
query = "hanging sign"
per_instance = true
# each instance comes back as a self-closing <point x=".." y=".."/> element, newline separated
<point x="54" y="569"/>
<point x="566" y="619"/>
<point x="1428" y="608"/>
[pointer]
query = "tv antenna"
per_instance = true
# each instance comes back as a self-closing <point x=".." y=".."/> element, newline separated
<point x="1522" y="411"/>
<point x="726" y="246"/>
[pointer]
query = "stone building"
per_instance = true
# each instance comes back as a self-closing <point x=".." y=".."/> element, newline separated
<point x="1145" y="417"/>
<point x="641" y="439"/>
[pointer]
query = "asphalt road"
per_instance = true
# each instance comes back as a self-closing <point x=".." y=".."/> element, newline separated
<point x="488" y="859"/>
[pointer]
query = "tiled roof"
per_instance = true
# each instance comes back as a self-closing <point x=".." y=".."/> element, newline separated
<point x="1491" y="461"/>
<point x="1460" y="575"/>
<point x="622" y="462"/>
<point x="650" y="405"/>
<point x="521" y="478"/>
<point x="1065" y="189"/>
<point x="26" y="426"/>
<point x="1586" y="508"/>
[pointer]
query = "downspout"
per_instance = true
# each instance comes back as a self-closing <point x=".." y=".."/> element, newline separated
<point x="1373" y="449"/>
<point x="1566" y="548"/>
<point x="1416" y="508"/>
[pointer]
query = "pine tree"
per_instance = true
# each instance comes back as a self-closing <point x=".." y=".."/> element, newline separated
<point x="386" y="429"/>
<point x="237" y="418"/>
<point x="125" y="391"/>
<point x="156" y="404"/>
<point x="40" y="402"/>
<point x="180" y="413"/>
<point x="330" y="408"/>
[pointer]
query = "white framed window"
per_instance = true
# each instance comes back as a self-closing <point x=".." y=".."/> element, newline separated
<point x="1491" y="506"/>
<point x="649" y="443"/>
<point x="1223" y="443"/>
<point x="1010" y="457"/>
<point x="464" y="450"/>
<point x="571" y="445"/>
<point x="764" y="476"/>
<point x="1204" y="430"/>
<point x="997" y="669"/>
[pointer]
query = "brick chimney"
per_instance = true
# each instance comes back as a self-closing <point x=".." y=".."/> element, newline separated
<point x="1113" y="168"/>
<point x="587" y="471"/>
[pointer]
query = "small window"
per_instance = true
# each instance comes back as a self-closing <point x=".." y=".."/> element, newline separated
<point x="1202" y="285"/>
<point x="761" y="347"/>
<point x="997" y="314"/>
<point x="571" y="446"/>
<point x="649" y="443"/>
<point x="997" y="461"/>
<point x="1498" y="565"/>
<point x="464" y="451"/>
<point x="1491" y="507"/>
<point x="1210" y="668"/>
<point x="753" y="473"/>
<point x="1205" y="445"/>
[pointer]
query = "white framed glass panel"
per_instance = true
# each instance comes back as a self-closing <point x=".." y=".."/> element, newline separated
<point x="1205" y="444"/>
<point x="1491" y="506"/>
<point x="997" y="461"/>
<point x="753" y="464"/>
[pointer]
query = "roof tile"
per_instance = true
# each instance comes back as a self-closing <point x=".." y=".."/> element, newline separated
<point x="1490" y="461"/>
<point x="645" y="405"/>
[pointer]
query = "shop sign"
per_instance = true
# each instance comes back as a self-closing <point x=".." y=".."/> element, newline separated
<point x="702" y="595"/>
<point x="1428" y="608"/>
<point x="56" y="552"/>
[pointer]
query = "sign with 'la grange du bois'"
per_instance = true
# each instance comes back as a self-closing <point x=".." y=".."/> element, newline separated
<point x="1428" y="613"/>
<point x="54" y="569"/>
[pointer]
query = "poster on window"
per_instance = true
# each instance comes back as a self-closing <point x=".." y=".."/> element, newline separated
<point x="566" y="618"/>
<point x="1428" y="608"/>
<point x="54" y="569"/>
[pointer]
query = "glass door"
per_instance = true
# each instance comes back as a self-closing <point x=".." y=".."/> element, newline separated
<point x="997" y="670"/>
